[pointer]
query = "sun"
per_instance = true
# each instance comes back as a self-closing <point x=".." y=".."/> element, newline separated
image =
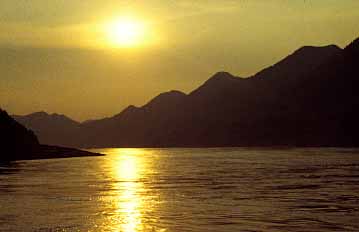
<point x="126" y="33"/>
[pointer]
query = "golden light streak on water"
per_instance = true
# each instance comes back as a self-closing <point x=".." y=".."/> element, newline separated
<point x="126" y="172"/>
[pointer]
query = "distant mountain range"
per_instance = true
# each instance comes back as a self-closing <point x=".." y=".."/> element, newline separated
<point x="309" y="98"/>
<point x="52" y="129"/>
<point x="19" y="143"/>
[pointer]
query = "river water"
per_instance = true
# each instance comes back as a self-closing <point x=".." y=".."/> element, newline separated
<point x="219" y="189"/>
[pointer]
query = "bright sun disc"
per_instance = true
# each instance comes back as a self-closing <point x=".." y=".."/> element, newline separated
<point x="126" y="33"/>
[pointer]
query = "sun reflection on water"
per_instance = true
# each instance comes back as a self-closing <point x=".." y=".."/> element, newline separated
<point x="129" y="205"/>
<point x="127" y="171"/>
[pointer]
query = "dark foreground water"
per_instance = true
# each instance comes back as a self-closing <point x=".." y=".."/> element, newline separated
<point x="184" y="190"/>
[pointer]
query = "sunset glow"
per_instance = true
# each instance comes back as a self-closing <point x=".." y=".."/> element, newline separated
<point x="125" y="33"/>
<point x="171" y="116"/>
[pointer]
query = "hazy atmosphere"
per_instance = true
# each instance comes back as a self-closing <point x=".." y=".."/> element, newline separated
<point x="71" y="56"/>
<point x="178" y="115"/>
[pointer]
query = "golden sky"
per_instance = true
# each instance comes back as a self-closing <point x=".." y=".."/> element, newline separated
<point x="62" y="55"/>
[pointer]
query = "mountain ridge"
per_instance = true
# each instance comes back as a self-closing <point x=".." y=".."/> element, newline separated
<point x="19" y="143"/>
<point x="290" y="103"/>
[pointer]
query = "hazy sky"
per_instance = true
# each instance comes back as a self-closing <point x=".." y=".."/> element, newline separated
<point x="55" y="56"/>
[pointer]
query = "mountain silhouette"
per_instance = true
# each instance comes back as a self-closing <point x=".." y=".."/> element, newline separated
<point x="19" y="143"/>
<point x="54" y="129"/>
<point x="309" y="98"/>
<point x="15" y="138"/>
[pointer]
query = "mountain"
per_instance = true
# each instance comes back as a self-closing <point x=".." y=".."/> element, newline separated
<point x="133" y="123"/>
<point x="309" y="98"/>
<point x="15" y="139"/>
<point x="19" y="143"/>
<point x="54" y="129"/>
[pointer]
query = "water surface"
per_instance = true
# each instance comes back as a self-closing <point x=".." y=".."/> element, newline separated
<point x="224" y="189"/>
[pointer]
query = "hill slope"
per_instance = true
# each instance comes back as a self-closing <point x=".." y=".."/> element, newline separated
<point x="19" y="143"/>
<point x="51" y="129"/>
